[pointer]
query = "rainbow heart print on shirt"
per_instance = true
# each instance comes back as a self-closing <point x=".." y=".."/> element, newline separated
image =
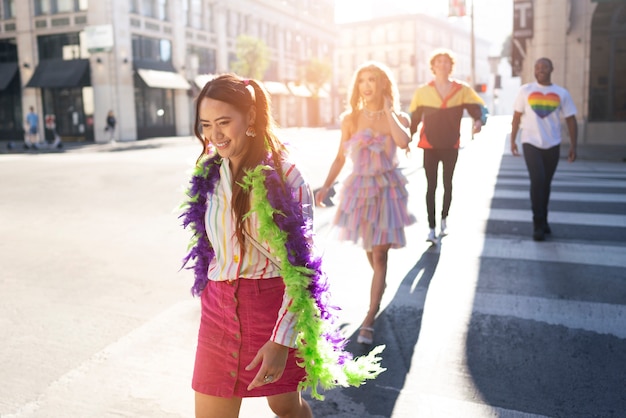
<point x="543" y="104"/>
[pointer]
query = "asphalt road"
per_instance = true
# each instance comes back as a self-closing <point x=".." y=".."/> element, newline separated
<point x="96" y="319"/>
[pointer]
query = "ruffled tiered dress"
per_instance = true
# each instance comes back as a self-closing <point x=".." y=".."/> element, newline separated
<point x="373" y="200"/>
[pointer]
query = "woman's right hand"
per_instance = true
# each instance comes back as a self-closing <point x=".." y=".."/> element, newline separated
<point x="320" y="196"/>
<point x="273" y="358"/>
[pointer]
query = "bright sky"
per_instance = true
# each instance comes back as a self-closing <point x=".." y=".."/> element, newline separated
<point x="493" y="18"/>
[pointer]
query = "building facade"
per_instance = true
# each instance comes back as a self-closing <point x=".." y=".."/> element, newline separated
<point x="586" y="41"/>
<point x="146" y="60"/>
<point x="404" y="43"/>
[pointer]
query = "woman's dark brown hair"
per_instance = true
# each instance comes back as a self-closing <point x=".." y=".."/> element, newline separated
<point x="243" y="95"/>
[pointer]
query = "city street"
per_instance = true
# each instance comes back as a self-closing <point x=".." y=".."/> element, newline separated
<point x="97" y="319"/>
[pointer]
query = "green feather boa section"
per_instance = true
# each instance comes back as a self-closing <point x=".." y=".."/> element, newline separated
<point x="326" y="366"/>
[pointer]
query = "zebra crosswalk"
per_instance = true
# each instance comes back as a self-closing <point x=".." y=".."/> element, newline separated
<point x="491" y="323"/>
<point x="547" y="328"/>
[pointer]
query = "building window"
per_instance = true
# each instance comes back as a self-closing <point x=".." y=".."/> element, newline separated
<point x="147" y="8"/>
<point x="392" y="35"/>
<point x="377" y="36"/>
<point x="61" y="46"/>
<point x="288" y="40"/>
<point x="185" y="7"/>
<point x="65" y="6"/>
<point x="8" y="50"/>
<point x="154" y="107"/>
<point x="156" y="9"/>
<point x="208" y="16"/>
<point x="234" y="23"/>
<point x="151" y="50"/>
<point x="607" y="64"/>
<point x="206" y="59"/>
<point x="195" y="14"/>
<point x="8" y="9"/>
<point x="162" y="10"/>
<point x="42" y="7"/>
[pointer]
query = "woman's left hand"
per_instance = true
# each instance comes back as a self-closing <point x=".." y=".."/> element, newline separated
<point x="273" y="358"/>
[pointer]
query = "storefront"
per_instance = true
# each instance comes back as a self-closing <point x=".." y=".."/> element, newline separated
<point x="66" y="93"/>
<point x="155" y="100"/>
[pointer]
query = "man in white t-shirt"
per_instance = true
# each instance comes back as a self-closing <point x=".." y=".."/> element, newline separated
<point x="542" y="104"/>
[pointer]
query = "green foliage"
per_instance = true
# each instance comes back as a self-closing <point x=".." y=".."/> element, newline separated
<point x="252" y="57"/>
<point x="317" y="72"/>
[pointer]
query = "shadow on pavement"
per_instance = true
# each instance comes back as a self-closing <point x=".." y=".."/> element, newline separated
<point x="534" y="365"/>
<point x="397" y="327"/>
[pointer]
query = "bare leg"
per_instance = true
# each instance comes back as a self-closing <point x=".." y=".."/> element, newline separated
<point x="216" y="407"/>
<point x="289" y="405"/>
<point x="379" y="256"/>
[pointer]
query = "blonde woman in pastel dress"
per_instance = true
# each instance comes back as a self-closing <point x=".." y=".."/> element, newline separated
<point x="372" y="209"/>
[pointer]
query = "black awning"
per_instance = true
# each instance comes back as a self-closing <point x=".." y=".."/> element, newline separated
<point x="61" y="74"/>
<point x="7" y="72"/>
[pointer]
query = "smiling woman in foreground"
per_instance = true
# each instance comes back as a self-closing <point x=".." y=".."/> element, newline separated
<point x="266" y="328"/>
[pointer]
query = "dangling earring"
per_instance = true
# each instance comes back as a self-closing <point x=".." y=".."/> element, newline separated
<point x="251" y="132"/>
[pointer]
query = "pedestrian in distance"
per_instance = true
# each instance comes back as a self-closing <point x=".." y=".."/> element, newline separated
<point x="266" y="323"/>
<point x="31" y="139"/>
<point x="537" y="110"/>
<point x="110" y="125"/>
<point x="436" y="109"/>
<point x="372" y="208"/>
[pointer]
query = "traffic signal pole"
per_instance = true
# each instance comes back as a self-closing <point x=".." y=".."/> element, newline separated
<point x="473" y="53"/>
<point x="472" y="47"/>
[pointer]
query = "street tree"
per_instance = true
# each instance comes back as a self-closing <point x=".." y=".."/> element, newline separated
<point x="252" y="57"/>
<point x="317" y="72"/>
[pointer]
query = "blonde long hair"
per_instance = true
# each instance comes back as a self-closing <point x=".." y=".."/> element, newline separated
<point x="384" y="80"/>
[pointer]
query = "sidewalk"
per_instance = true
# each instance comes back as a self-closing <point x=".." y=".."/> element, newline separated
<point x="17" y="147"/>
<point x="587" y="152"/>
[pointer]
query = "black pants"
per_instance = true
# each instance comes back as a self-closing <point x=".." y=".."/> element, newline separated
<point x="448" y="158"/>
<point x="541" y="164"/>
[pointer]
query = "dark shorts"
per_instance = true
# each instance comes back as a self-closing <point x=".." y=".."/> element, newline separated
<point x="32" y="130"/>
<point x="237" y="319"/>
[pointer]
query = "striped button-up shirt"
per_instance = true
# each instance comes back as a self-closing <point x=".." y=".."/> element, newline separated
<point x="228" y="263"/>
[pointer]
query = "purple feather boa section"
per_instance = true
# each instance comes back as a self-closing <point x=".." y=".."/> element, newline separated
<point x="202" y="183"/>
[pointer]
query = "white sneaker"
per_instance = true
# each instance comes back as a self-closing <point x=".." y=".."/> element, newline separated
<point x="432" y="237"/>
<point x="444" y="227"/>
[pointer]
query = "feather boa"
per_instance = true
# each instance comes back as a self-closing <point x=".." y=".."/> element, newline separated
<point x="282" y="224"/>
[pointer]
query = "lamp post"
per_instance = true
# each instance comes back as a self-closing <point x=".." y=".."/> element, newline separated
<point x="457" y="8"/>
<point x="472" y="46"/>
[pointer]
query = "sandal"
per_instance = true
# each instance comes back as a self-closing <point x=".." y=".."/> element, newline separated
<point x="361" y="339"/>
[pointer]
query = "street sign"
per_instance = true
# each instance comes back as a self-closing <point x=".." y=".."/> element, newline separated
<point x="99" y="38"/>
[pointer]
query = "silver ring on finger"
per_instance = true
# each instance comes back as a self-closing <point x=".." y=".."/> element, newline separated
<point x="268" y="378"/>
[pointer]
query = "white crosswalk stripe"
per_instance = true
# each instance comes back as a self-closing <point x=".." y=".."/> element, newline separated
<point x="489" y="267"/>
